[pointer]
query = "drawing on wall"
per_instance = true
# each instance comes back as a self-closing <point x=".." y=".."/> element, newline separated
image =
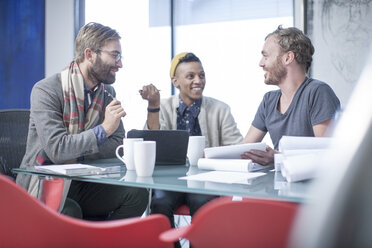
<point x="347" y="31"/>
<point x="341" y="31"/>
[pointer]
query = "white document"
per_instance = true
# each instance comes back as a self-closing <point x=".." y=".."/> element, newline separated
<point x="299" y="156"/>
<point x="303" y="143"/>
<point x="280" y="157"/>
<point x="301" y="167"/>
<point x="233" y="151"/>
<point x="77" y="169"/>
<point x="238" y="165"/>
<point x="224" y="177"/>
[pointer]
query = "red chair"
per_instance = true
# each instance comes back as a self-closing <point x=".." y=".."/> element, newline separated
<point x="247" y="223"/>
<point x="182" y="210"/>
<point x="26" y="222"/>
<point x="185" y="210"/>
<point x="52" y="193"/>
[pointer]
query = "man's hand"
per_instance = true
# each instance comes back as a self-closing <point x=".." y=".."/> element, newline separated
<point x="151" y="94"/>
<point x="261" y="157"/>
<point x="114" y="112"/>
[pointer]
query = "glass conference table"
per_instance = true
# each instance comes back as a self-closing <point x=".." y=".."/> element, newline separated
<point x="270" y="186"/>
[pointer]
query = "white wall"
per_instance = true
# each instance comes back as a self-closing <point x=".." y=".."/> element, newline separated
<point x="59" y="35"/>
<point x="342" y="36"/>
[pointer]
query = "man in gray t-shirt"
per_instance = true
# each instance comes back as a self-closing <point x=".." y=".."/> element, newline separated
<point x="302" y="106"/>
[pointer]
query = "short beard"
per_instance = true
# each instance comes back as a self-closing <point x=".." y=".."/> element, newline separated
<point x="277" y="72"/>
<point x="100" y="72"/>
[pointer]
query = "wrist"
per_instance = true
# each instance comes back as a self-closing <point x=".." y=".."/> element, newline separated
<point x="107" y="130"/>
<point x="153" y="110"/>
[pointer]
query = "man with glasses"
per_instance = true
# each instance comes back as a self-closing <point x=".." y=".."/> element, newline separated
<point x="75" y="117"/>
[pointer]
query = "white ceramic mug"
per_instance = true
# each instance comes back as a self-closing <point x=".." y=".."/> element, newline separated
<point x="195" y="149"/>
<point x="127" y="147"/>
<point x="147" y="180"/>
<point x="144" y="158"/>
<point x="130" y="176"/>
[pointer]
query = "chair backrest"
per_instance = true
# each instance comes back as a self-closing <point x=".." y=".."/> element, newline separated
<point x="247" y="223"/>
<point x="13" y="138"/>
<point x="27" y="222"/>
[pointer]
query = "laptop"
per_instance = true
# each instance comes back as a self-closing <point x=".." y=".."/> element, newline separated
<point x="171" y="145"/>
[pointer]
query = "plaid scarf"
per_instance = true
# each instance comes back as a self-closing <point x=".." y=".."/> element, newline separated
<point x="74" y="117"/>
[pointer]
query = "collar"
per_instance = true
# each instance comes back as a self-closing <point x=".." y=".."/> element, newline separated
<point x="193" y="108"/>
<point x="87" y="90"/>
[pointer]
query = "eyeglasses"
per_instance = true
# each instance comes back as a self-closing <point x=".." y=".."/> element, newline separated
<point x="116" y="55"/>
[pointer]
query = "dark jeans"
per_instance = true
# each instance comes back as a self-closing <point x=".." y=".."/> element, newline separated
<point x="166" y="202"/>
<point x="72" y="209"/>
<point x="108" y="202"/>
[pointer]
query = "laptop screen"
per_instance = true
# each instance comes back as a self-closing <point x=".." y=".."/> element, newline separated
<point x="171" y="145"/>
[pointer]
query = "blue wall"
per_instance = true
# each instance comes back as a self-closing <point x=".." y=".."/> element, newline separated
<point x="22" y="55"/>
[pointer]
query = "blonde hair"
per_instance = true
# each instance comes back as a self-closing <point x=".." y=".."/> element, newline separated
<point x="293" y="39"/>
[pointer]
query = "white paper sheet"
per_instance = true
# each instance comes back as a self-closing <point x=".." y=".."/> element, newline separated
<point x="238" y="165"/>
<point x="279" y="157"/>
<point x="301" y="167"/>
<point x="224" y="177"/>
<point x="300" y="143"/>
<point x="233" y="151"/>
<point x="77" y="169"/>
<point x="299" y="156"/>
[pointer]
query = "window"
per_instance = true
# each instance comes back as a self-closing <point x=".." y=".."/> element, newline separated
<point x="146" y="52"/>
<point x="227" y="36"/>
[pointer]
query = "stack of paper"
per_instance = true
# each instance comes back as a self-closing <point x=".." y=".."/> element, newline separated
<point x="303" y="143"/>
<point x="77" y="169"/>
<point x="238" y="165"/>
<point x="300" y="157"/>
<point x="229" y="177"/>
<point x="227" y="158"/>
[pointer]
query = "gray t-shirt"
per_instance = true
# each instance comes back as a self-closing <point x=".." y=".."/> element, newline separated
<point x="313" y="103"/>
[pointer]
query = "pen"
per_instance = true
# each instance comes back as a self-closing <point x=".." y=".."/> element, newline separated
<point x="140" y="91"/>
<point x="109" y="95"/>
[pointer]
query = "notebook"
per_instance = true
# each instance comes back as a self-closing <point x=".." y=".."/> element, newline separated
<point x="171" y="145"/>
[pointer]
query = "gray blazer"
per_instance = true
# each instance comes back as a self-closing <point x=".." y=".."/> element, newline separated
<point x="47" y="131"/>
<point x="215" y="119"/>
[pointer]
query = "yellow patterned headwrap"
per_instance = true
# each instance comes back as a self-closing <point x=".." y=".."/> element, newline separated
<point x="175" y="62"/>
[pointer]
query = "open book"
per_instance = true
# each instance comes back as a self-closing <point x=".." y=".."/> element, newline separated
<point x="77" y="169"/>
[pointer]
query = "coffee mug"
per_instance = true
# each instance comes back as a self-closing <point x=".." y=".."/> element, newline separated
<point x="195" y="149"/>
<point x="130" y="176"/>
<point x="144" y="158"/>
<point x="128" y="152"/>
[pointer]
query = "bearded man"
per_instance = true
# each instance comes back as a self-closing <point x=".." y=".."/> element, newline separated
<point x="74" y="116"/>
<point x="302" y="106"/>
